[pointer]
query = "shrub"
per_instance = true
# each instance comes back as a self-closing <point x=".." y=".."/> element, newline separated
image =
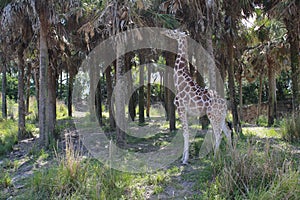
<point x="262" y="120"/>
<point x="247" y="175"/>
<point x="5" y="179"/>
<point x="62" y="111"/>
<point x="290" y="128"/>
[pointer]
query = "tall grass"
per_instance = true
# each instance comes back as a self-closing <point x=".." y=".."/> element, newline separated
<point x="290" y="128"/>
<point x="8" y="135"/>
<point x="254" y="174"/>
<point x="74" y="177"/>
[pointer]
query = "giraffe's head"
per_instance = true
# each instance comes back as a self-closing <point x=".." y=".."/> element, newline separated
<point x="174" y="34"/>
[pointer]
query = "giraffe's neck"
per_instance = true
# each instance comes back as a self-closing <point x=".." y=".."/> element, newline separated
<point x="180" y="65"/>
<point x="180" y="69"/>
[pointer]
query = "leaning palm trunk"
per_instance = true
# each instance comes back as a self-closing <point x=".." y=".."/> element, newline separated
<point x="120" y="88"/>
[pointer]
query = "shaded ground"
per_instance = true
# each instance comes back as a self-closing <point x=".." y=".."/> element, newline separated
<point x="181" y="181"/>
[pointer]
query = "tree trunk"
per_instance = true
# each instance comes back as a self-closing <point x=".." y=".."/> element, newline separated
<point x="28" y="88"/>
<point x="43" y="82"/>
<point x="161" y="97"/>
<point x="120" y="99"/>
<point x="204" y="119"/>
<point x="166" y="93"/>
<point x="4" y="85"/>
<point x="170" y="61"/>
<point x="61" y="85"/>
<point x="70" y="93"/>
<point x="293" y="38"/>
<point x="98" y="101"/>
<point x="240" y="97"/>
<point x="148" y="91"/>
<point x="141" y="91"/>
<point x="231" y="85"/>
<point x="272" y="93"/>
<point x="51" y="102"/>
<point x="212" y="70"/>
<point x="260" y="95"/>
<point x="112" y="122"/>
<point x="92" y="74"/>
<point x="131" y="92"/>
<point x="21" y="101"/>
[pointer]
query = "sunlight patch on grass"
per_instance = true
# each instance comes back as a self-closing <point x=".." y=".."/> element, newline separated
<point x="262" y="132"/>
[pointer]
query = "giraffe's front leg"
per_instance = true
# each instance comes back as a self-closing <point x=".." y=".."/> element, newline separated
<point x="184" y="121"/>
<point x="216" y="126"/>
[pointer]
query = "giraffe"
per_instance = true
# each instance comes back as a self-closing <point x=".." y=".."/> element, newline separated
<point x="193" y="100"/>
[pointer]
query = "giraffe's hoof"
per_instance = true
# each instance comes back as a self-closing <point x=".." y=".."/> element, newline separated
<point x="184" y="162"/>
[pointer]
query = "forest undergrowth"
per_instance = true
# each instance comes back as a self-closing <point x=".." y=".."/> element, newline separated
<point x="263" y="164"/>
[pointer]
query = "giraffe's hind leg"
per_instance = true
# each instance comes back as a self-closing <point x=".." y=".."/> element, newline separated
<point x="216" y="126"/>
<point x="183" y="119"/>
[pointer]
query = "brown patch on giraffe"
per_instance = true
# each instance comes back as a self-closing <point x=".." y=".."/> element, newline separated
<point x="187" y="89"/>
<point x="180" y="79"/>
<point x="185" y="75"/>
<point x="199" y="98"/>
<point x="182" y="59"/>
<point x="192" y="84"/>
<point x="182" y="85"/>
<point x="181" y="94"/>
<point x="192" y="104"/>
<point x="181" y="65"/>
<point x="205" y="97"/>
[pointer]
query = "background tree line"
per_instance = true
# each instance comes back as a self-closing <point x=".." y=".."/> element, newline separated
<point x="43" y="43"/>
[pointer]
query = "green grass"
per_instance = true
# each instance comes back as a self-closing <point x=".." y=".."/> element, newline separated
<point x="262" y="132"/>
<point x="290" y="128"/>
<point x="255" y="170"/>
<point x="73" y="177"/>
<point x="261" y="166"/>
<point x="8" y="135"/>
<point x="61" y="111"/>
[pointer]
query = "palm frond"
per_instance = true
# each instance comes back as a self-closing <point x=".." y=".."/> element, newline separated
<point x="165" y="20"/>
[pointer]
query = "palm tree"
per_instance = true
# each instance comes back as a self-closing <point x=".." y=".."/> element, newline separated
<point x="44" y="17"/>
<point x="234" y="11"/>
<point x="16" y="35"/>
<point x="267" y="56"/>
<point x="289" y="12"/>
